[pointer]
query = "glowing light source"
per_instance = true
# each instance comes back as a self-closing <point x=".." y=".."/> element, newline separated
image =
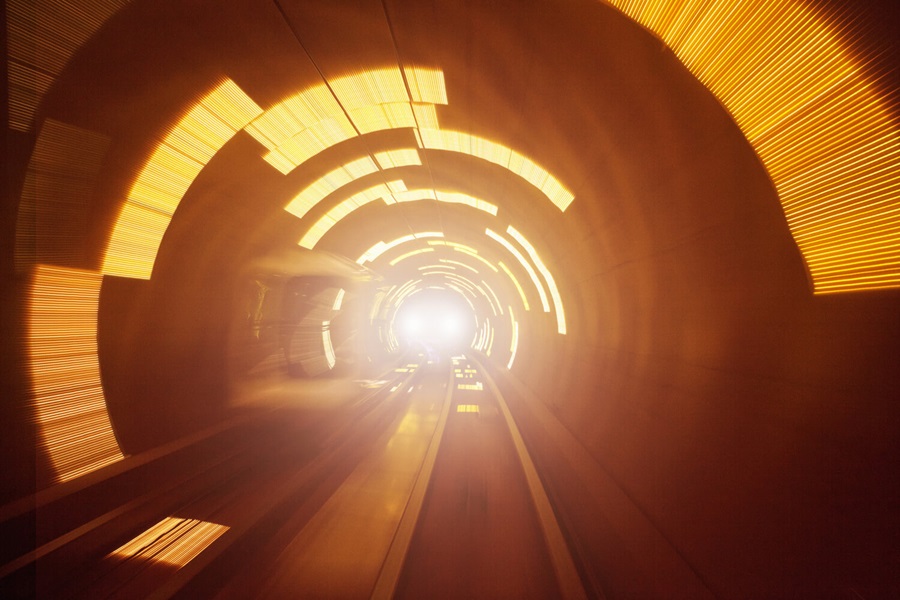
<point x="548" y="277"/>
<point x="525" y="265"/>
<point x="811" y="107"/>
<point x="68" y="402"/>
<point x="503" y="156"/>
<point x="172" y="541"/>
<point x="167" y="175"/>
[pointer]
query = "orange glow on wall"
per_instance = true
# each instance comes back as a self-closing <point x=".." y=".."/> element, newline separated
<point x="67" y="396"/>
<point x="809" y="105"/>
<point x="332" y="217"/>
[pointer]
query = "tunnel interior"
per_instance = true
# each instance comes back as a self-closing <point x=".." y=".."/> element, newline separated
<point x="556" y="191"/>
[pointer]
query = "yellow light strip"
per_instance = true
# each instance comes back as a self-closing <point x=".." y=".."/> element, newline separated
<point x="301" y="126"/>
<point x="401" y="157"/>
<point x="514" y="344"/>
<point x="67" y="394"/>
<point x="381" y="247"/>
<point x="494" y="296"/>
<point x="516" y="283"/>
<point x="172" y="541"/>
<point x="375" y="99"/>
<point x="467" y="250"/>
<point x="548" y="277"/>
<point x="326" y="342"/>
<point x="503" y="156"/>
<point x="462" y="293"/>
<point x="474" y="288"/>
<point x="465" y="291"/>
<point x="474" y="254"/>
<point x="426" y="86"/>
<point x="403" y="257"/>
<point x="338" y="300"/>
<point x="167" y="175"/>
<point x="810" y="105"/>
<point x="452" y="264"/>
<point x="333" y="216"/>
<point x="525" y="265"/>
<point x="460" y="198"/>
<point x="414" y="195"/>
<point x="490" y="342"/>
<point x="59" y="184"/>
<point x="330" y="182"/>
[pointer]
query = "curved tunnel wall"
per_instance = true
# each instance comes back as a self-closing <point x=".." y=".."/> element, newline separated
<point x="750" y="421"/>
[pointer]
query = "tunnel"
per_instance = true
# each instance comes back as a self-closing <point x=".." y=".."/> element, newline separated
<point x="451" y="299"/>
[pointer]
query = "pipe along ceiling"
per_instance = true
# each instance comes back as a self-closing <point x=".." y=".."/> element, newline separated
<point x="677" y="224"/>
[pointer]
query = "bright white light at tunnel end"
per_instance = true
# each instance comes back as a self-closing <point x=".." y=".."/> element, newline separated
<point x="438" y="318"/>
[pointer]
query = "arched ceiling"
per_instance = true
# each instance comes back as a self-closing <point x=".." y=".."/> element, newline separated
<point x="689" y="183"/>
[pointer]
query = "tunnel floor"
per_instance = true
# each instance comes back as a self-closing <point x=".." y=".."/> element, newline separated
<point x="405" y="485"/>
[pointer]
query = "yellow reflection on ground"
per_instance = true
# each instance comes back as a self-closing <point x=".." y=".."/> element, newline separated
<point x="466" y="408"/>
<point x="172" y="541"/>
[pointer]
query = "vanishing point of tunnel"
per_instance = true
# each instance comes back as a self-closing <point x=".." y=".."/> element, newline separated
<point x="450" y="299"/>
